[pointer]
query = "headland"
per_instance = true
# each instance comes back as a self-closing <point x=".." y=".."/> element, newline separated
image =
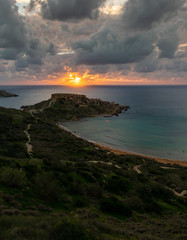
<point x="7" y="94"/>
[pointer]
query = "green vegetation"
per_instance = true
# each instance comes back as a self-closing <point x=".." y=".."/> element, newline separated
<point x="70" y="189"/>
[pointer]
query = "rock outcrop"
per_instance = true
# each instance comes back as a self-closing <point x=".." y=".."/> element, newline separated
<point x="82" y="101"/>
<point x="64" y="106"/>
<point x="7" y="94"/>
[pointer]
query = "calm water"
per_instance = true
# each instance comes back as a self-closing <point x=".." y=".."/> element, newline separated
<point x="156" y="125"/>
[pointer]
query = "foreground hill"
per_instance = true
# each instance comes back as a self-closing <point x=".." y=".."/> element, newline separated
<point x="57" y="186"/>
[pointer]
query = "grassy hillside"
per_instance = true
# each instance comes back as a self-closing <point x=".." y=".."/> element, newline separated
<point x="68" y="188"/>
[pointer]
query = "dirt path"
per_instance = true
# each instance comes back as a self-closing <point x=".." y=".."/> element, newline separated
<point x="107" y="163"/>
<point x="51" y="103"/>
<point x="137" y="169"/>
<point x="28" y="143"/>
<point x="182" y="194"/>
<point x="161" y="160"/>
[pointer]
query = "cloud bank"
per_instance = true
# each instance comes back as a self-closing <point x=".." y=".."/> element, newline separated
<point x="65" y="10"/>
<point x="146" y="40"/>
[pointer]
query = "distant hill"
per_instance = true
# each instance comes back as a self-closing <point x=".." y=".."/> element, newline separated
<point x="7" y="94"/>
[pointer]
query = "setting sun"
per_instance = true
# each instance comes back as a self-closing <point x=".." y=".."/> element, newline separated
<point x="77" y="80"/>
<point x="73" y="79"/>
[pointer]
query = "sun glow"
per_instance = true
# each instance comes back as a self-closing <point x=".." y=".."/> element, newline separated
<point x="77" y="80"/>
<point x="112" y="9"/>
<point x="73" y="79"/>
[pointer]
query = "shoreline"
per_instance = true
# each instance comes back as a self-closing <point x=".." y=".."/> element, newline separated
<point x="160" y="160"/>
<point x="121" y="152"/>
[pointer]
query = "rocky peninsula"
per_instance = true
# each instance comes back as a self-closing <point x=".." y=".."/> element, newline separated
<point x="77" y="106"/>
<point x="4" y="93"/>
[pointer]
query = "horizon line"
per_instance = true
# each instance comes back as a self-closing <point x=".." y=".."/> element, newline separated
<point x="133" y="85"/>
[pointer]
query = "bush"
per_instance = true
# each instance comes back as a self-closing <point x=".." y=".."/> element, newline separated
<point x="117" y="184"/>
<point x="148" y="195"/>
<point x="114" y="206"/>
<point x="70" y="230"/>
<point x="80" y="202"/>
<point x="47" y="188"/>
<point x="13" y="177"/>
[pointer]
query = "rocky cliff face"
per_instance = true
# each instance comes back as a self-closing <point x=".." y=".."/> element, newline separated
<point x="7" y="94"/>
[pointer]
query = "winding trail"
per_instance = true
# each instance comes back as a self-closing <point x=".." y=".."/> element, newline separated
<point x="182" y="194"/>
<point x="32" y="113"/>
<point x="107" y="163"/>
<point x="137" y="169"/>
<point x="28" y="143"/>
<point x="51" y="103"/>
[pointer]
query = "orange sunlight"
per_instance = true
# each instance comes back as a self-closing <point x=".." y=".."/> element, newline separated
<point x="73" y="79"/>
<point x="80" y="79"/>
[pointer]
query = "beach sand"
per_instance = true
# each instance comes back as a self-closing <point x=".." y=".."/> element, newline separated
<point x="161" y="160"/>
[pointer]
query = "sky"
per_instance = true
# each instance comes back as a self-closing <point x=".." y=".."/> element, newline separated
<point x="93" y="42"/>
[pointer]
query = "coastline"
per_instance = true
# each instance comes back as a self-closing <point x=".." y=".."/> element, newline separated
<point x="160" y="160"/>
<point x="121" y="152"/>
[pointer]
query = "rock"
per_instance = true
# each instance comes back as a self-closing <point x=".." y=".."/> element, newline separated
<point x="7" y="94"/>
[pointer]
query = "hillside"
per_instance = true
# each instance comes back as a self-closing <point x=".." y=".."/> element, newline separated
<point x="56" y="186"/>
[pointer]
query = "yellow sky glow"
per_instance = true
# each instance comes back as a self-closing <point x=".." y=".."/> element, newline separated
<point x="76" y="79"/>
<point x="112" y="9"/>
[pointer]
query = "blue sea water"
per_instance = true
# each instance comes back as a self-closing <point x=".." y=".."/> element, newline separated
<point x="156" y="124"/>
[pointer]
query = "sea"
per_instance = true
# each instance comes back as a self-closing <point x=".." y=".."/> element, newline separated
<point x="155" y="125"/>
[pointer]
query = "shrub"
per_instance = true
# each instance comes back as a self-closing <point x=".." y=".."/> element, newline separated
<point x="47" y="188"/>
<point x="13" y="177"/>
<point x="114" y="206"/>
<point x="147" y="194"/>
<point x="70" y="230"/>
<point x="80" y="202"/>
<point x="118" y="184"/>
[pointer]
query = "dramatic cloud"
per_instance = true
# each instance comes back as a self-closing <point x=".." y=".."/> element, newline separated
<point x="168" y="43"/>
<point x="68" y="9"/>
<point x="34" y="53"/>
<point x="146" y="39"/>
<point x="105" y="47"/>
<point x="134" y="37"/>
<point x="143" y="14"/>
<point x="149" y="64"/>
<point x="12" y="30"/>
<point x="17" y="41"/>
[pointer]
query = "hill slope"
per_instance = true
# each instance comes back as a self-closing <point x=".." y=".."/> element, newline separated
<point x="68" y="188"/>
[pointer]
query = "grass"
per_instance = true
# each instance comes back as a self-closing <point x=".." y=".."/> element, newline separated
<point x="68" y="177"/>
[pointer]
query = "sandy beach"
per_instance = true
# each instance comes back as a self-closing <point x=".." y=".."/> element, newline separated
<point x="120" y="152"/>
<point x="161" y="160"/>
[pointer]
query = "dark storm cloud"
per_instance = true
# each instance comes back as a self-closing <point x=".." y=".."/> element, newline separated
<point x="9" y="53"/>
<point x="34" y="54"/>
<point x="168" y="44"/>
<point x="12" y="30"/>
<point x="149" y="64"/>
<point x="175" y="66"/>
<point x="143" y="14"/>
<point x="67" y="9"/>
<point x="108" y="47"/>
<point x="16" y="40"/>
<point x="133" y="37"/>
